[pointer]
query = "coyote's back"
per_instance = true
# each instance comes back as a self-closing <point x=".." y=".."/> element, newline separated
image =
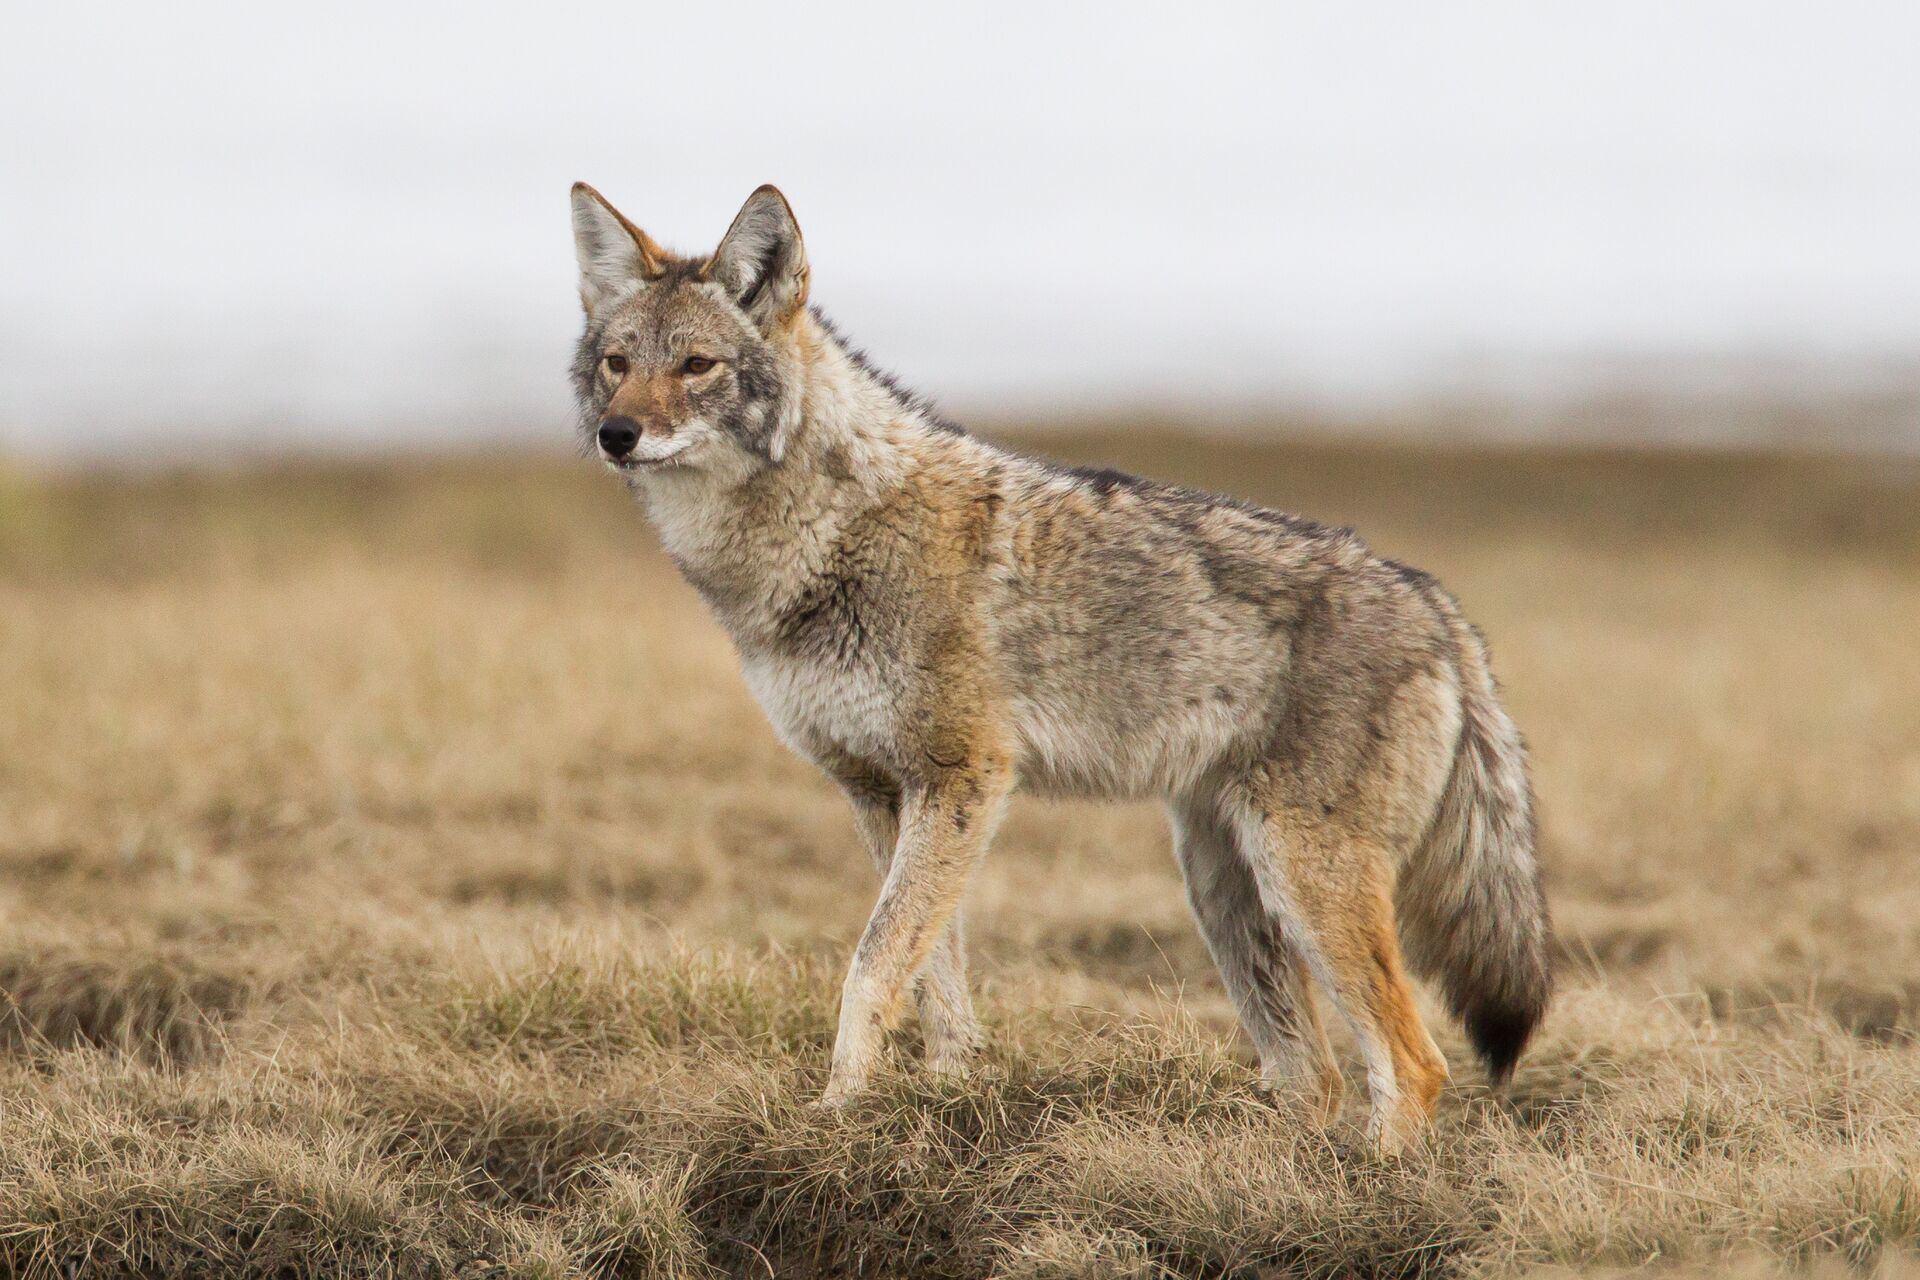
<point x="1163" y="642"/>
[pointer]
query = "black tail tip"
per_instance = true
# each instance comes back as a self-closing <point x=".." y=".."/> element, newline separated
<point x="1498" y="1034"/>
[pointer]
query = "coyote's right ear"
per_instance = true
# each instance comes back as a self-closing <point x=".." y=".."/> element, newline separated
<point x="614" y="254"/>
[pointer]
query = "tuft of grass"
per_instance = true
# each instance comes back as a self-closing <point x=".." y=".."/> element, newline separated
<point x="631" y="1216"/>
<point x="233" y="1199"/>
<point x="575" y="1003"/>
<point x="168" y="1007"/>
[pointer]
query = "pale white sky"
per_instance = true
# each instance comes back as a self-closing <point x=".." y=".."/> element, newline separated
<point x="348" y="223"/>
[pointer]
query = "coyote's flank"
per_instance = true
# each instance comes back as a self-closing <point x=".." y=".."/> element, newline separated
<point x="937" y="623"/>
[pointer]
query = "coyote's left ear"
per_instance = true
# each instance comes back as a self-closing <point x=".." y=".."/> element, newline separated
<point x="761" y="262"/>
<point x="614" y="254"/>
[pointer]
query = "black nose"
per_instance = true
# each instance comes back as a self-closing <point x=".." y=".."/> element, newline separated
<point x="618" y="436"/>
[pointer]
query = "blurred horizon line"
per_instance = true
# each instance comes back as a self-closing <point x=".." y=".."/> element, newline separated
<point x="1760" y="403"/>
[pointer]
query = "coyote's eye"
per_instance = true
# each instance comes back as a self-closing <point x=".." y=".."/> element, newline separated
<point x="696" y="365"/>
<point x="616" y="365"/>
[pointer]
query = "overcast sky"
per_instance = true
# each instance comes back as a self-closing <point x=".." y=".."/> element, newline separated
<point x="348" y="222"/>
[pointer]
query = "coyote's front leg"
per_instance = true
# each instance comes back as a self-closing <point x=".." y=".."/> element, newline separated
<point x="945" y="825"/>
<point x="947" y="1023"/>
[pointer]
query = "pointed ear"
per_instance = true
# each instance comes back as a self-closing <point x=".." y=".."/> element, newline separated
<point x="614" y="254"/>
<point x="761" y="262"/>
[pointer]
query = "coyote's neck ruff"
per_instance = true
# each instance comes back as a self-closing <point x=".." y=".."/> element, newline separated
<point x="753" y="544"/>
<point x="936" y="623"/>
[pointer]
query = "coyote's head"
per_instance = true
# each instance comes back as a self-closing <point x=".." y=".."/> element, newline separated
<point x="688" y="365"/>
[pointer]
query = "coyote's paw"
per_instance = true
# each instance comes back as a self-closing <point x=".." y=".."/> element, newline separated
<point x="951" y="1064"/>
<point x="1316" y="1097"/>
<point x="838" y="1096"/>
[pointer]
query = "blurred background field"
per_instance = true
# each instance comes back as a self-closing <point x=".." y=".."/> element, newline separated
<point x="396" y="873"/>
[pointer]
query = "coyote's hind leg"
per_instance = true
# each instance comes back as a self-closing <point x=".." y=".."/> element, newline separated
<point x="1336" y="884"/>
<point x="1265" y="975"/>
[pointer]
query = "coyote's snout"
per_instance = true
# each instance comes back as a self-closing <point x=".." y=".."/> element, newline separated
<point x="936" y="623"/>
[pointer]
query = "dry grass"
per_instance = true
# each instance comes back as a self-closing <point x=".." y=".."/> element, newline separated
<point x="398" y="880"/>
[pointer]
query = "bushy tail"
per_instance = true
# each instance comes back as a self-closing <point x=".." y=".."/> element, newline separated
<point x="1472" y="916"/>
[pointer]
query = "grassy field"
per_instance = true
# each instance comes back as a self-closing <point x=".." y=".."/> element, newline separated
<point x="397" y="878"/>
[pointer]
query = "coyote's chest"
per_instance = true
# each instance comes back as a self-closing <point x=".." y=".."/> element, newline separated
<point x="823" y="709"/>
<point x="824" y="655"/>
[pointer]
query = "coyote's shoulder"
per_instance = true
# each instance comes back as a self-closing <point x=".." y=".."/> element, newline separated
<point x="938" y="622"/>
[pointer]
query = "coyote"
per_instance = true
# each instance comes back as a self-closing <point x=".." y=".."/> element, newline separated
<point x="936" y="622"/>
